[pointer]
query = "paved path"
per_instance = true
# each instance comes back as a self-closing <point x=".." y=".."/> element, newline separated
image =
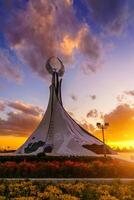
<point x="92" y="180"/>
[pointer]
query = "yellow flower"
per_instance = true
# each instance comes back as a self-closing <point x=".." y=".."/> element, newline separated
<point x="104" y="189"/>
<point x="25" y="198"/>
<point x="68" y="197"/>
<point x="2" y="198"/>
<point x="108" y="197"/>
<point x="2" y="189"/>
<point x="53" y="190"/>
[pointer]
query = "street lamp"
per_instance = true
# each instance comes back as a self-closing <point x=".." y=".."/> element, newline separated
<point x="103" y="127"/>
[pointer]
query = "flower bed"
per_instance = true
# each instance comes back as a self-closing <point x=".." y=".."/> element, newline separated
<point x="67" y="169"/>
<point x="26" y="190"/>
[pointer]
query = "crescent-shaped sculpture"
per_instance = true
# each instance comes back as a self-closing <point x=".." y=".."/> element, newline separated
<point x="58" y="134"/>
<point x="51" y="69"/>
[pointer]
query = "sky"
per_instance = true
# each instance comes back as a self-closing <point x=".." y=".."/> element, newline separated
<point x="94" y="39"/>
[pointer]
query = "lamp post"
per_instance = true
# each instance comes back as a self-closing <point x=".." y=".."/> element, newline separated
<point x="103" y="127"/>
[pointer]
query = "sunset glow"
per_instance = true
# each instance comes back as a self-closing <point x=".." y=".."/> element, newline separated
<point x="122" y="144"/>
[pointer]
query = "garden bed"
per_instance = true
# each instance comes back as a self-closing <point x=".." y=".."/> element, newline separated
<point x="26" y="190"/>
<point x="67" y="168"/>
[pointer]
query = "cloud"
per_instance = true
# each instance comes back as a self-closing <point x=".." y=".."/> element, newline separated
<point x="26" y="108"/>
<point x="121" y="98"/>
<point x="92" y="113"/>
<point x="121" y="121"/>
<point x="22" y="120"/>
<point x="87" y="126"/>
<point x="8" y="69"/>
<point x="73" y="97"/>
<point x="71" y="113"/>
<point x="111" y="14"/>
<point x="18" y="124"/>
<point x="126" y="97"/>
<point x="130" y="92"/>
<point x="47" y="28"/>
<point x="70" y="2"/>
<point x="93" y="97"/>
<point x="2" y="105"/>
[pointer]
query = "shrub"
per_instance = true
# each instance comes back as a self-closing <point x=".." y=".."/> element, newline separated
<point x="67" y="169"/>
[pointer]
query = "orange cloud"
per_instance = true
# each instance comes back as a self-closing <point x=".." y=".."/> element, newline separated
<point x="21" y="122"/>
<point x="121" y="121"/>
<point x="93" y="113"/>
<point x="83" y="42"/>
<point x="26" y="108"/>
<point x="69" y="2"/>
<point x="121" y="126"/>
<point x="18" y="124"/>
<point x="50" y="28"/>
<point x="87" y="126"/>
<point x="68" y="45"/>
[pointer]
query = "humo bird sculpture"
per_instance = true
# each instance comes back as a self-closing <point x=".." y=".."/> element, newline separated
<point x="58" y="134"/>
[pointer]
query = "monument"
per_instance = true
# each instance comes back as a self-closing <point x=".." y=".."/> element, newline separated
<point x="58" y="134"/>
